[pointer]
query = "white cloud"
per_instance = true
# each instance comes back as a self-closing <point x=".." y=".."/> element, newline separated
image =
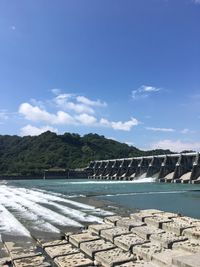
<point x="86" y="119"/>
<point x="119" y="125"/>
<point x="34" y="113"/>
<point x="86" y="101"/>
<point x="81" y="112"/>
<point x="176" y="146"/>
<point x="155" y="129"/>
<point x="144" y="91"/>
<point x="56" y="91"/>
<point x="187" y="131"/>
<point x="64" y="101"/>
<point x="32" y="130"/>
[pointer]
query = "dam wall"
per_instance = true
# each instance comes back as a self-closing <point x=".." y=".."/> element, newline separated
<point x="172" y="168"/>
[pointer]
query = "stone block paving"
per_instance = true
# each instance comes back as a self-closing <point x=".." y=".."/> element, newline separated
<point x="110" y="234"/>
<point x="77" y="239"/>
<point x="129" y="223"/>
<point x="149" y="238"/>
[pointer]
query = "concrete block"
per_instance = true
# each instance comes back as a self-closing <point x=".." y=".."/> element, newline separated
<point x="126" y="242"/>
<point x="74" y="260"/>
<point x="192" y="246"/>
<point x="67" y="235"/>
<point x="38" y="261"/>
<point x="140" y="216"/>
<point x="165" y="258"/>
<point x="167" y="239"/>
<point x="187" y="261"/>
<point x="90" y="248"/>
<point x="113" y="257"/>
<point x="54" y="243"/>
<point x="157" y="221"/>
<point x="146" y="231"/>
<point x="112" y="219"/>
<point x="129" y="223"/>
<point x="152" y="211"/>
<point x="137" y="263"/>
<point x="190" y="221"/>
<point x="110" y="234"/>
<point x="176" y="227"/>
<point x="60" y="250"/>
<point x="192" y="233"/>
<point x="169" y="215"/>
<point x="19" y="250"/>
<point x="97" y="228"/>
<point x="145" y="251"/>
<point x="77" y="239"/>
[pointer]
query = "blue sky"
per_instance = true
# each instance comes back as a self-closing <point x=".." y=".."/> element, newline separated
<point x="128" y="70"/>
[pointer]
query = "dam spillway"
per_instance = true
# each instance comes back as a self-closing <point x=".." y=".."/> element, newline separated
<point x="172" y="168"/>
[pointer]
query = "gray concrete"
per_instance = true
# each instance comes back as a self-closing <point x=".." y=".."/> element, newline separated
<point x="165" y="258"/>
<point x="110" y="234"/>
<point x="113" y="257"/>
<point x="129" y="223"/>
<point x="167" y="239"/>
<point x="146" y="231"/>
<point x="126" y="242"/>
<point x="21" y="250"/>
<point x="37" y="261"/>
<point x="61" y="250"/>
<point x="179" y="168"/>
<point x="97" y="228"/>
<point x="74" y="260"/>
<point x="147" y="250"/>
<point x="91" y="248"/>
<point x="77" y="239"/>
<point x="187" y="261"/>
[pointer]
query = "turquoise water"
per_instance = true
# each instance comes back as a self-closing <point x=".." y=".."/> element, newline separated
<point x="180" y="198"/>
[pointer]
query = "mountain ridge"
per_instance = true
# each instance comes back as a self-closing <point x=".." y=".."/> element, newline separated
<point x="31" y="155"/>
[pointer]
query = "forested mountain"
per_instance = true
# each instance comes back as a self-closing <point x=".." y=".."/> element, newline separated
<point x="30" y="155"/>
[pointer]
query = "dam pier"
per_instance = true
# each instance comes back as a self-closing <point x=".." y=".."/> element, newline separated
<point x="172" y="168"/>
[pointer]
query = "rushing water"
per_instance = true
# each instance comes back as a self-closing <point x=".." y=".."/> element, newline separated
<point x="51" y="205"/>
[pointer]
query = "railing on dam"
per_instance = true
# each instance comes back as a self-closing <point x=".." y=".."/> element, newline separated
<point x="173" y="168"/>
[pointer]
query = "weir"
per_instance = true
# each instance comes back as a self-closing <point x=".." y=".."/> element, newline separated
<point x="172" y="168"/>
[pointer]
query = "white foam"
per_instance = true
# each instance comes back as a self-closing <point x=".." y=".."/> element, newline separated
<point x="144" y="180"/>
<point x="42" y="212"/>
<point x="145" y="193"/>
<point x="39" y="197"/>
<point x="23" y="213"/>
<point x="10" y="225"/>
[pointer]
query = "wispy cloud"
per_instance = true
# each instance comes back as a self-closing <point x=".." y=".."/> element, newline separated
<point x="3" y="115"/>
<point x="76" y="103"/>
<point x="71" y="109"/>
<point x="196" y="1"/>
<point x="144" y="91"/>
<point x="176" y="146"/>
<point x="187" y="131"/>
<point x="119" y="125"/>
<point x="33" y="130"/>
<point x="155" y="129"/>
<point x="13" y="27"/>
<point x="86" y="101"/>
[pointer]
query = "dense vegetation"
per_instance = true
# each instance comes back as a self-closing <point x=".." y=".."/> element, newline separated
<point x="31" y="155"/>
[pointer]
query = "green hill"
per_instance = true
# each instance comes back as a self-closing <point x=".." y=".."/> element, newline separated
<point x="31" y="155"/>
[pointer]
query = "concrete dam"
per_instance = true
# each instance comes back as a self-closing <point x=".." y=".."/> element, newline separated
<point x="173" y="168"/>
